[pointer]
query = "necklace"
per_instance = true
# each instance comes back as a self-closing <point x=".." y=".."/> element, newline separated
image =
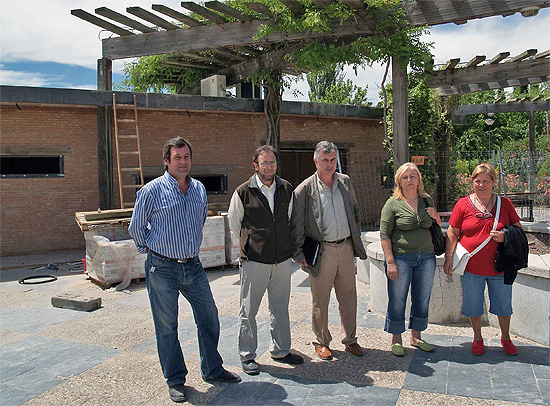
<point x="489" y="203"/>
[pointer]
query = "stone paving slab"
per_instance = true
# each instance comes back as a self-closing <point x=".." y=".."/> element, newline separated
<point x="51" y="356"/>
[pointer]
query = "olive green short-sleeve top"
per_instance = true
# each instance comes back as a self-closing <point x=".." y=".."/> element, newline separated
<point x="408" y="231"/>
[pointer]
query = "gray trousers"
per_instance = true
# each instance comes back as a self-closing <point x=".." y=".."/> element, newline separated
<point x="256" y="278"/>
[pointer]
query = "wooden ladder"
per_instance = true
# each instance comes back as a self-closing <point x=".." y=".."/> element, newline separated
<point x="129" y="150"/>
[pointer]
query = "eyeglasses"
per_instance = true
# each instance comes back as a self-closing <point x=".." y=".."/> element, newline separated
<point x="265" y="164"/>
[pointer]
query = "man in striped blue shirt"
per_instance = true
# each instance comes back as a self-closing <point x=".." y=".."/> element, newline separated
<point x="167" y="224"/>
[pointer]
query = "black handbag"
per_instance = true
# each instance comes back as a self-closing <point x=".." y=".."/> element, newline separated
<point x="437" y="235"/>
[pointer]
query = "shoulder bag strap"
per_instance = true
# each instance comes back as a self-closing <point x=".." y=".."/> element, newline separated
<point x="484" y="243"/>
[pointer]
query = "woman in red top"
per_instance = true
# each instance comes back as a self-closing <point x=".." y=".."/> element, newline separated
<point x="471" y="223"/>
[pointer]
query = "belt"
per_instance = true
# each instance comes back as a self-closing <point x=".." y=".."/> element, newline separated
<point x="337" y="241"/>
<point x="178" y="260"/>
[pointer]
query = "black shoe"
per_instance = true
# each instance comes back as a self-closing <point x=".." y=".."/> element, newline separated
<point x="290" y="358"/>
<point x="250" y="367"/>
<point x="225" y="376"/>
<point x="177" y="393"/>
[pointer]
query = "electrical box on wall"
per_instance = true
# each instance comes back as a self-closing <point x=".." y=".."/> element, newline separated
<point x="213" y="86"/>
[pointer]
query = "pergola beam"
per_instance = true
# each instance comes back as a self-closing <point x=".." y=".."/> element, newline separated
<point x="435" y="12"/>
<point x="214" y="36"/>
<point x="120" y="18"/>
<point x="182" y="18"/>
<point x="229" y="11"/>
<point x="152" y="18"/>
<point x="467" y="109"/>
<point x="203" y="12"/>
<point x="419" y="13"/>
<point x="490" y="76"/>
<point x="84" y="15"/>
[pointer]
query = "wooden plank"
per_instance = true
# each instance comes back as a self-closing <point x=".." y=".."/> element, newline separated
<point x="497" y="58"/>
<point x="321" y="3"/>
<point x="229" y="54"/>
<point x="295" y="7"/>
<point x="475" y="87"/>
<point x="531" y="68"/>
<point x="400" y="115"/>
<point x="543" y="54"/>
<point x="113" y="15"/>
<point x="243" y="33"/>
<point x="183" y="64"/>
<point x="35" y="150"/>
<point x="260" y="8"/>
<point x="451" y="64"/>
<point x="476" y="60"/>
<point x="512" y="107"/>
<point x="523" y="55"/>
<point x="204" y="58"/>
<point x="182" y="18"/>
<point x="434" y="12"/>
<point x="100" y="22"/>
<point x="152" y="18"/>
<point x="355" y="4"/>
<point x="203" y="12"/>
<point x="215" y="36"/>
<point x="117" y="214"/>
<point x="229" y="11"/>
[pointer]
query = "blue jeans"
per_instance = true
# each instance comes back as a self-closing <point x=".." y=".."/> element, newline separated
<point x="416" y="270"/>
<point x="165" y="280"/>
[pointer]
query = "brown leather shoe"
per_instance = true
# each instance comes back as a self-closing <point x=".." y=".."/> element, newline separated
<point x="323" y="352"/>
<point x="355" y="349"/>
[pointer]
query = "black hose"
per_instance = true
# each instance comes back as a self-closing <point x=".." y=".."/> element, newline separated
<point x="46" y="279"/>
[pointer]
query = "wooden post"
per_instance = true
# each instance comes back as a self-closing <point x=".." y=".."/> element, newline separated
<point x="400" y="115"/>
<point x="531" y="182"/>
<point x="105" y="137"/>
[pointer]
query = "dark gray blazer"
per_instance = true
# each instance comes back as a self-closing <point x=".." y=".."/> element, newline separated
<point x="307" y="217"/>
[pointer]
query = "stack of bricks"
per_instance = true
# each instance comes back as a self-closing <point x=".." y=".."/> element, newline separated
<point x="213" y="242"/>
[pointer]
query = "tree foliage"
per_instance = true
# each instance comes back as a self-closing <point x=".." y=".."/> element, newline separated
<point x="397" y="40"/>
<point x="331" y="86"/>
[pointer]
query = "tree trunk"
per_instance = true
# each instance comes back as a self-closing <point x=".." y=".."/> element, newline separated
<point x="272" y="106"/>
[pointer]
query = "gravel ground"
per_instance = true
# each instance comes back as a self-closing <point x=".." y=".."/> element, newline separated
<point x="539" y="243"/>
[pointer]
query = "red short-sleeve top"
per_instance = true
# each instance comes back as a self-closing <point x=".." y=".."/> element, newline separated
<point x="476" y="229"/>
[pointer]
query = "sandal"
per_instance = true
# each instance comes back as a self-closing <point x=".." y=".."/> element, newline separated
<point x="397" y="350"/>
<point x="423" y="345"/>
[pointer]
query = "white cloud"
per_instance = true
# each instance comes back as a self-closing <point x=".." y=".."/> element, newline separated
<point x="16" y="78"/>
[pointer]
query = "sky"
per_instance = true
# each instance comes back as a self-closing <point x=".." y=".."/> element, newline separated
<point x="43" y="45"/>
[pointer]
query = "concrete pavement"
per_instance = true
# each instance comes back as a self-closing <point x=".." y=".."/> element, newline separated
<point x="53" y="356"/>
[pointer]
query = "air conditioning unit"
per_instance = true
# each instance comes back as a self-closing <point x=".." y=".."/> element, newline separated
<point x="213" y="86"/>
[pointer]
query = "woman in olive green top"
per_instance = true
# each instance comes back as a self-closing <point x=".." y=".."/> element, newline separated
<point x="410" y="259"/>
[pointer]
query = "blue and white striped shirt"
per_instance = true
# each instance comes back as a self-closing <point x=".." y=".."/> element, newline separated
<point x="167" y="221"/>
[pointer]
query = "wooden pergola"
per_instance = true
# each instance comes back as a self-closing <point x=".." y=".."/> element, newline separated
<point x="229" y="36"/>
<point x="501" y="71"/>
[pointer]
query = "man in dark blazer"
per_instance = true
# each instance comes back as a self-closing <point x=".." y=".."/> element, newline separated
<point x="325" y="209"/>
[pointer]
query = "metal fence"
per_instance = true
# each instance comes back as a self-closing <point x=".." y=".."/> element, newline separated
<point x="522" y="176"/>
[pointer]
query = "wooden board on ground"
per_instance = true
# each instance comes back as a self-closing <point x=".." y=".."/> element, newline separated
<point x="85" y="219"/>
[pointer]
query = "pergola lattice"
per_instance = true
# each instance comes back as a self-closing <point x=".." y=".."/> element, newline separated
<point x="234" y="50"/>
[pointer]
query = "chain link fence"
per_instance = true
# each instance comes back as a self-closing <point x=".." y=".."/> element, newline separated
<point x="523" y="177"/>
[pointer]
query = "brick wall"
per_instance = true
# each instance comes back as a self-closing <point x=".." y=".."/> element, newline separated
<point x="37" y="214"/>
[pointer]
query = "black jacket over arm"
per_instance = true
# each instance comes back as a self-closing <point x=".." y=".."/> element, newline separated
<point x="512" y="254"/>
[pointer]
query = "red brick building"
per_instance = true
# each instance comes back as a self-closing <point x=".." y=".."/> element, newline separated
<point x="59" y="127"/>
